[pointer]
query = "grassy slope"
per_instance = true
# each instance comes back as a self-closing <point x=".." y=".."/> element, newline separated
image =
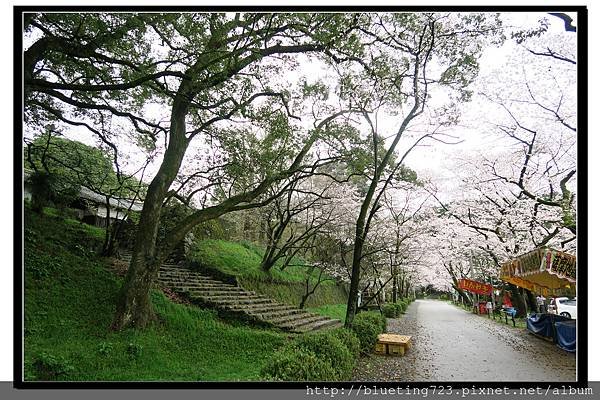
<point x="336" y="311"/>
<point x="69" y="302"/>
<point x="243" y="260"/>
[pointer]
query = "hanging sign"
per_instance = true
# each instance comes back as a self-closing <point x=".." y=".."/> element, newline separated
<point x="475" y="287"/>
<point x="541" y="267"/>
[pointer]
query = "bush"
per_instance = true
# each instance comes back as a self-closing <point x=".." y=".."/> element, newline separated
<point x="403" y="305"/>
<point x="399" y="308"/>
<point x="349" y="339"/>
<point x="390" y="310"/>
<point x="328" y="346"/>
<point x="296" y="364"/>
<point x="323" y="356"/>
<point x="367" y="325"/>
<point x="134" y="350"/>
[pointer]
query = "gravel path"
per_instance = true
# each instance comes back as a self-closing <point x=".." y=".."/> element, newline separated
<point x="450" y="344"/>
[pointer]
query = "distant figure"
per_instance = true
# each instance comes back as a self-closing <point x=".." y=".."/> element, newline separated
<point x="506" y="303"/>
<point x="541" y="303"/>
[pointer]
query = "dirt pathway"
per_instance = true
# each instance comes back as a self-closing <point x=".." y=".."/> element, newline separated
<point x="450" y="344"/>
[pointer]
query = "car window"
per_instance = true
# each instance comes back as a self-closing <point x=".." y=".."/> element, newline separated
<point x="569" y="302"/>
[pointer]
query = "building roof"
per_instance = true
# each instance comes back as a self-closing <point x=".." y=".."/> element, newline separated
<point x="123" y="204"/>
<point x="89" y="194"/>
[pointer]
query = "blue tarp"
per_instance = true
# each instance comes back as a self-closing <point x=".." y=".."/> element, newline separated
<point x="566" y="335"/>
<point x="560" y="329"/>
<point x="540" y="324"/>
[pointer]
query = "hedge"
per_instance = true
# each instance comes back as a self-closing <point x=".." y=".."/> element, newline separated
<point x="322" y="356"/>
<point x="367" y="326"/>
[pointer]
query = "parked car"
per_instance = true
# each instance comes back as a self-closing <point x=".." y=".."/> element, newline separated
<point x="563" y="306"/>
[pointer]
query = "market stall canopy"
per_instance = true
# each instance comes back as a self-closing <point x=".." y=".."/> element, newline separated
<point x="543" y="267"/>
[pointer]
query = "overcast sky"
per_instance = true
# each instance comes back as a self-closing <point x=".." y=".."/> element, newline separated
<point x="433" y="160"/>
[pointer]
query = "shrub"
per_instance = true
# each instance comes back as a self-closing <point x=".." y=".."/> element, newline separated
<point x="320" y="356"/>
<point x="399" y="308"/>
<point x="367" y="325"/>
<point x="50" y="367"/>
<point x="327" y="346"/>
<point x="349" y="339"/>
<point x="403" y="305"/>
<point x="296" y="364"/>
<point x="389" y="310"/>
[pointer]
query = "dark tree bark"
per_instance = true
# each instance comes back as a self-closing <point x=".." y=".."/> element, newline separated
<point x="134" y="307"/>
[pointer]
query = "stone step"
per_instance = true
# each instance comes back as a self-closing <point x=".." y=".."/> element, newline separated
<point x="212" y="291"/>
<point x="270" y="315"/>
<point x="174" y="267"/>
<point x="184" y="277"/>
<point x="284" y="319"/>
<point x="318" y="325"/>
<point x="261" y="308"/>
<point x="232" y="297"/>
<point x="299" y="322"/>
<point x="197" y="283"/>
<point x="182" y="272"/>
<point x="177" y="280"/>
<point x="239" y="301"/>
<point x="200" y="288"/>
<point x="178" y="269"/>
<point x="226" y="297"/>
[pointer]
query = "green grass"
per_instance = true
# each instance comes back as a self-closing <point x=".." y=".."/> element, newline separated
<point x="70" y="298"/>
<point x="243" y="261"/>
<point x="89" y="230"/>
<point x="336" y="311"/>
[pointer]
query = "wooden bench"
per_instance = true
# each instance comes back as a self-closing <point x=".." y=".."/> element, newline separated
<point x="390" y="344"/>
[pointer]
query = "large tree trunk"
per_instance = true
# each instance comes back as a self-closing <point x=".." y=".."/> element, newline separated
<point x="531" y="301"/>
<point x="394" y="284"/>
<point x="359" y="242"/>
<point x="517" y="300"/>
<point x="134" y="308"/>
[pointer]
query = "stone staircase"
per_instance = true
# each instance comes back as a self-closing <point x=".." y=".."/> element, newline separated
<point x="232" y="299"/>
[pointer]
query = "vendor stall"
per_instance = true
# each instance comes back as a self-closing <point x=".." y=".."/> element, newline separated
<point x="546" y="272"/>
<point x="543" y="271"/>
